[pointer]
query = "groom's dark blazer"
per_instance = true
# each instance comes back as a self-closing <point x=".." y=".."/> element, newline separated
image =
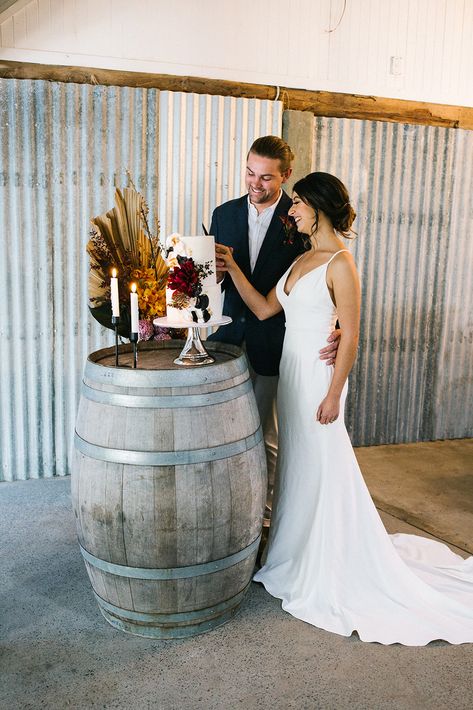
<point x="263" y="338"/>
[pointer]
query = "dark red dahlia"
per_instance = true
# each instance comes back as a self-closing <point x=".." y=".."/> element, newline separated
<point x="185" y="277"/>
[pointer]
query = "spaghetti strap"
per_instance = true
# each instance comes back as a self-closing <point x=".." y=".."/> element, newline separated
<point x="334" y="255"/>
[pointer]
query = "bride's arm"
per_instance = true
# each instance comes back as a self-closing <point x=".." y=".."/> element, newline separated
<point x="344" y="283"/>
<point x="262" y="306"/>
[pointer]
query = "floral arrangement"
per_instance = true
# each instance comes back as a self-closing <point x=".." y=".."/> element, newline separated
<point x="290" y="229"/>
<point x="185" y="281"/>
<point x="121" y="239"/>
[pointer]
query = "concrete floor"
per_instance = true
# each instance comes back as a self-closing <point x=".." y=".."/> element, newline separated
<point x="58" y="651"/>
<point x="429" y="485"/>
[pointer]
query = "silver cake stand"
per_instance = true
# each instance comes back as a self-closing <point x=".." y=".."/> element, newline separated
<point x="193" y="353"/>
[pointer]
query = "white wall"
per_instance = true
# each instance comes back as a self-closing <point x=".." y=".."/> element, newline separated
<point x="411" y="49"/>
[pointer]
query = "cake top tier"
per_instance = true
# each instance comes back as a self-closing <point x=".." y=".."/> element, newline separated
<point x="201" y="249"/>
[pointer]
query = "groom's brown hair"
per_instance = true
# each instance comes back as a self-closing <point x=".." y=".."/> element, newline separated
<point x="275" y="148"/>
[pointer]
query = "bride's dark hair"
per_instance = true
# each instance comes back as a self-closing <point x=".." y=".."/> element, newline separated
<point x="327" y="193"/>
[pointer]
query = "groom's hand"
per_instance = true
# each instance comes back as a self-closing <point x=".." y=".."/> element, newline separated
<point x="220" y="263"/>
<point x="329" y="352"/>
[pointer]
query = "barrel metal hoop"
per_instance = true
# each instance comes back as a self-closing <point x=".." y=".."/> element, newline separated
<point x="166" y="402"/>
<point x="179" y="617"/>
<point x="180" y="377"/>
<point x="168" y="458"/>
<point x="171" y="572"/>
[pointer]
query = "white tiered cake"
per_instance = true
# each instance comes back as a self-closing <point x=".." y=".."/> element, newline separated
<point x="199" y="303"/>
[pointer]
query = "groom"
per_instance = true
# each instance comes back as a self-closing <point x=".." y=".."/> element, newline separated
<point x="252" y="226"/>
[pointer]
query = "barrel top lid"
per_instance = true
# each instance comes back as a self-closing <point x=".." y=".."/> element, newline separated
<point x="153" y="359"/>
<point x="156" y="360"/>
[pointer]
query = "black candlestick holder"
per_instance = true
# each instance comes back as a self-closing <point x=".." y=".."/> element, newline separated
<point x="116" y="323"/>
<point x="134" y="340"/>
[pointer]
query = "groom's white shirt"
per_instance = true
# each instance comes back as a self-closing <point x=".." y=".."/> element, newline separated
<point x="258" y="223"/>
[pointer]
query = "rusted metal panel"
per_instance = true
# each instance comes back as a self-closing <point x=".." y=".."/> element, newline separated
<point x="411" y="187"/>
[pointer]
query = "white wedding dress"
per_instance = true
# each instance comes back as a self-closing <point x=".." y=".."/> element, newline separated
<point x="329" y="557"/>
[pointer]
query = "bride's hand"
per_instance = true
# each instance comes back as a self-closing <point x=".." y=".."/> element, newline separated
<point x="328" y="410"/>
<point x="224" y="260"/>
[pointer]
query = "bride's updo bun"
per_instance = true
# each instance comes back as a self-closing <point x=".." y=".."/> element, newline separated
<point x="328" y="194"/>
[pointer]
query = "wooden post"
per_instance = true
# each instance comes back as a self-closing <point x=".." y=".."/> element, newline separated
<point x="298" y="131"/>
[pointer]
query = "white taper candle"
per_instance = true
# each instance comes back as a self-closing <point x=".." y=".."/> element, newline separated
<point x="134" y="309"/>
<point x="114" y="290"/>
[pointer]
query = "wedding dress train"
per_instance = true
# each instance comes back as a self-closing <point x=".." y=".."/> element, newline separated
<point x="329" y="557"/>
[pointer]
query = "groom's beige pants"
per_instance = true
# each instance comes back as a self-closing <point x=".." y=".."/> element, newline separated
<point x="265" y="388"/>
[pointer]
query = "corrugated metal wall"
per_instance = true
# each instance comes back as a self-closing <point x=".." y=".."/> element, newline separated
<point x="203" y="143"/>
<point x="64" y="149"/>
<point x="411" y="187"/>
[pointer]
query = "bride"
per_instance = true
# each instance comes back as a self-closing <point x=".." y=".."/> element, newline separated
<point x="329" y="557"/>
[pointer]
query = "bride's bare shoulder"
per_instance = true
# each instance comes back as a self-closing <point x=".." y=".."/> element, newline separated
<point x="342" y="266"/>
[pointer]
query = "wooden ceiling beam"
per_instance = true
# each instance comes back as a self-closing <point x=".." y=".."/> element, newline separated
<point x="5" y="4"/>
<point x="320" y="103"/>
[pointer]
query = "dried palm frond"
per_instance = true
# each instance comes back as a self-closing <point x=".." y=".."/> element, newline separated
<point x="120" y="239"/>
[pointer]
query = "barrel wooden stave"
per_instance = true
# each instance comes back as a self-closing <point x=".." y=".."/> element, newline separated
<point x="171" y="596"/>
<point x="169" y="516"/>
<point x="167" y="430"/>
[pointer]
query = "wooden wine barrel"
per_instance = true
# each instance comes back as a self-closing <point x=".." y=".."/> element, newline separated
<point x="168" y="487"/>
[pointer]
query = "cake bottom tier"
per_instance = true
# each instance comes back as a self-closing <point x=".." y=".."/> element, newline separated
<point x="186" y="315"/>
